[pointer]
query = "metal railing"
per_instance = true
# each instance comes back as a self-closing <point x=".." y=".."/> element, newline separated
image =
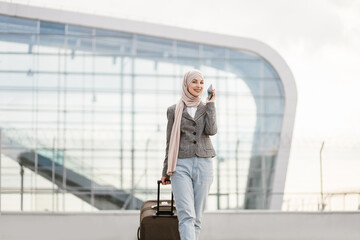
<point x="295" y="201"/>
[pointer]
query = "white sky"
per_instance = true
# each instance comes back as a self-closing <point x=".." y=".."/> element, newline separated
<point x="319" y="39"/>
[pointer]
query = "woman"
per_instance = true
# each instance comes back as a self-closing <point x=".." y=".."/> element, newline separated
<point x="189" y="153"/>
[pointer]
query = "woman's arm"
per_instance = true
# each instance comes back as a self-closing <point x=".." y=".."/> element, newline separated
<point x="170" y="117"/>
<point x="210" y="118"/>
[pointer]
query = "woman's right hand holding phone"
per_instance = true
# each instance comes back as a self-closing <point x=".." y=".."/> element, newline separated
<point x="213" y="97"/>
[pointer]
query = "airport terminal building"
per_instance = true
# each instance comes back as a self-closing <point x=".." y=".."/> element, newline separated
<point x="83" y="102"/>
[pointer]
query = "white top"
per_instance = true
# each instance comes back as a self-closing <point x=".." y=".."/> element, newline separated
<point x="192" y="111"/>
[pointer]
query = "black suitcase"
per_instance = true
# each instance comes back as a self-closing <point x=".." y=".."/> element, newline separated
<point x="158" y="219"/>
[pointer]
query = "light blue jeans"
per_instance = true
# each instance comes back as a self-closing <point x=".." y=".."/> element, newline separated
<point x="191" y="184"/>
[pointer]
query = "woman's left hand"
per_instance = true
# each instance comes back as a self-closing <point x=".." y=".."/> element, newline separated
<point x="213" y="98"/>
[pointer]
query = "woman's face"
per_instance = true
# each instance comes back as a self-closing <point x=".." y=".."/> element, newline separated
<point x="196" y="86"/>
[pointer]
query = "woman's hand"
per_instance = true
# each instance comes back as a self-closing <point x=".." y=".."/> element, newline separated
<point x="213" y="98"/>
<point x="165" y="181"/>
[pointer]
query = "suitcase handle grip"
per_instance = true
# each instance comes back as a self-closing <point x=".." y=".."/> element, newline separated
<point x="158" y="212"/>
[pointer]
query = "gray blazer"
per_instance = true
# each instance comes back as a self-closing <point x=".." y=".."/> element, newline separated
<point x="195" y="132"/>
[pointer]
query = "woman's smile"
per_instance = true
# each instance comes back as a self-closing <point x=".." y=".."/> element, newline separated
<point x="196" y="86"/>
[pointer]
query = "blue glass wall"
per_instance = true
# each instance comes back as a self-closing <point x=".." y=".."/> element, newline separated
<point x="86" y="110"/>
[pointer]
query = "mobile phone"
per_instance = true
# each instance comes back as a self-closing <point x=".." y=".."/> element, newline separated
<point x="210" y="93"/>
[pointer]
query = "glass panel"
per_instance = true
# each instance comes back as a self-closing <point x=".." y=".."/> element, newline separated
<point x="214" y="67"/>
<point x="113" y="42"/>
<point x="79" y="31"/>
<point x="188" y="63"/>
<point x="80" y="64"/>
<point x="269" y="71"/>
<point x="153" y="47"/>
<point x="52" y="28"/>
<point x="145" y="66"/>
<point x="79" y="45"/>
<point x="51" y="44"/>
<point x="273" y="105"/>
<point x="213" y="52"/>
<point x="17" y="42"/>
<point x="271" y="87"/>
<point x="24" y="63"/>
<point x="246" y="68"/>
<point x="236" y="54"/>
<point x="17" y="25"/>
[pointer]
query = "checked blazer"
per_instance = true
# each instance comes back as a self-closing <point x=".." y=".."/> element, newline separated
<point x="195" y="132"/>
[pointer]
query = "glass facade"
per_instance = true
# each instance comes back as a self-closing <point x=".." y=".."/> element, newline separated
<point x="83" y="117"/>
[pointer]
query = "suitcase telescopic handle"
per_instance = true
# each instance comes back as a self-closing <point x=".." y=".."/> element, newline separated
<point x="158" y="212"/>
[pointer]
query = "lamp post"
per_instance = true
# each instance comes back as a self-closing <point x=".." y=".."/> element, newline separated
<point x="237" y="172"/>
<point x="321" y="179"/>
<point x="22" y="187"/>
<point x="0" y="167"/>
